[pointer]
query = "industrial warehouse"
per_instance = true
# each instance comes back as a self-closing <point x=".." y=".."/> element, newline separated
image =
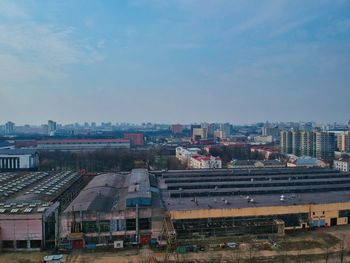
<point x="68" y="210"/>
<point x="123" y="207"/>
<point x="205" y="204"/>
<point x="30" y="203"/>
<point x="145" y="207"/>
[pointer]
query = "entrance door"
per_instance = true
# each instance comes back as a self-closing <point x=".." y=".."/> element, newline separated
<point x="78" y="244"/>
<point x="333" y="221"/>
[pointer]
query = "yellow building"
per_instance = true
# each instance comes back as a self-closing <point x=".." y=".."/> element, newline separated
<point x="254" y="202"/>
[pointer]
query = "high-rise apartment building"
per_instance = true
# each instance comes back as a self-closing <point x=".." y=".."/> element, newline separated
<point x="226" y="129"/>
<point x="296" y="143"/>
<point x="307" y="143"/>
<point x="343" y="141"/>
<point x="325" y="145"/>
<point x="286" y="142"/>
<point x="9" y="128"/>
<point x="199" y="133"/>
<point x="210" y="127"/>
<point x="51" y="127"/>
<point x="316" y="144"/>
<point x="270" y="131"/>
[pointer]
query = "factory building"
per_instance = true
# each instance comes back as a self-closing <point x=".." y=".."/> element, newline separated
<point x="17" y="159"/>
<point x="124" y="207"/>
<point x="82" y="144"/>
<point x="29" y="207"/>
<point x="213" y="203"/>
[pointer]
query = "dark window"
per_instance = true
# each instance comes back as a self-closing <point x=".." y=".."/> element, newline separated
<point x="35" y="243"/>
<point x="7" y="244"/>
<point x="21" y="244"/>
<point x="344" y="213"/>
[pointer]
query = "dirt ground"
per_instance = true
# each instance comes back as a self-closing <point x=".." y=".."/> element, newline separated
<point x="322" y="245"/>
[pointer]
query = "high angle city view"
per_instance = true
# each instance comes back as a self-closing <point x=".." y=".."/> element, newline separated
<point x="174" y="131"/>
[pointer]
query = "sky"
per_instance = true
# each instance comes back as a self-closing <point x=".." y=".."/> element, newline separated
<point x="174" y="61"/>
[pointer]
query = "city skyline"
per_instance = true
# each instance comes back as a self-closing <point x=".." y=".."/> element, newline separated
<point x="174" y="61"/>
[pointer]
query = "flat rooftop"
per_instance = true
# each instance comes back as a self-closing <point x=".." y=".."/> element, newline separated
<point x="227" y="188"/>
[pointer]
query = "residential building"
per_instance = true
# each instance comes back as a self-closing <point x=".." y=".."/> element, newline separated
<point x="342" y="165"/>
<point x="286" y="142"/>
<point x="296" y="144"/>
<point x="343" y="141"/>
<point x="51" y="127"/>
<point x="307" y="143"/>
<point x="270" y="131"/>
<point x="315" y="144"/>
<point x="9" y="128"/>
<point x="219" y="134"/>
<point x="205" y="162"/>
<point x="226" y="129"/>
<point x="325" y="145"/>
<point x="199" y="133"/>
<point x="263" y="139"/>
<point x="184" y="154"/>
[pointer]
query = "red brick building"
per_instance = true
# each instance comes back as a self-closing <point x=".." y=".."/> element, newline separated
<point x="136" y="139"/>
<point x="176" y="129"/>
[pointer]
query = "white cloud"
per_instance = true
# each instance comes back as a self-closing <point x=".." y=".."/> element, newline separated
<point x="11" y="10"/>
<point x="30" y="50"/>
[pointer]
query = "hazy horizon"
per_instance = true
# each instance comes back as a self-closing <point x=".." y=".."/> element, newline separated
<point x="171" y="61"/>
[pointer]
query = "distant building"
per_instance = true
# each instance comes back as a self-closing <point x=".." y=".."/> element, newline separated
<point x="247" y="164"/>
<point x="9" y="128"/>
<point x="210" y="127"/>
<point x="343" y="141"/>
<point x="219" y="134"/>
<point x="226" y="129"/>
<point x="205" y="162"/>
<point x="184" y="154"/>
<point x="320" y="145"/>
<point x="176" y="129"/>
<point x="270" y="131"/>
<point x="266" y="151"/>
<point x="286" y="142"/>
<point x="82" y="144"/>
<point x="199" y="133"/>
<point x="307" y="143"/>
<point x="325" y="145"/>
<point x="342" y="165"/>
<point x="136" y="139"/>
<point x="17" y="159"/>
<point x="263" y="139"/>
<point x="51" y="127"/>
<point x="306" y="162"/>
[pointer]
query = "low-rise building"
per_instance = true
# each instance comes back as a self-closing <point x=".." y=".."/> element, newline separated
<point x="342" y="165"/>
<point x="205" y="162"/>
<point x="184" y="154"/>
<point x="136" y="139"/>
<point x="82" y="144"/>
<point x="17" y="159"/>
<point x="29" y="207"/>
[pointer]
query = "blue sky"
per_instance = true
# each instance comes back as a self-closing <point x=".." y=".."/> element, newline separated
<point x="174" y="61"/>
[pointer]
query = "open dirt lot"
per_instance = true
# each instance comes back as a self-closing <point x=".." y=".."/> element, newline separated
<point x="321" y="245"/>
